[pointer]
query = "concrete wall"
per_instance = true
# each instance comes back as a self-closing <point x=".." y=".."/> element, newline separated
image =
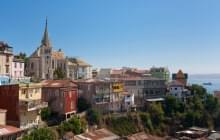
<point x="29" y="119"/>
<point x="30" y="91"/>
<point x="3" y="117"/>
<point x="3" y="64"/>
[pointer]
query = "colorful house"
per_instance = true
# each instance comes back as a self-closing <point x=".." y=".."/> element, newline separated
<point x="23" y="104"/>
<point x="180" y="77"/>
<point x="61" y="96"/>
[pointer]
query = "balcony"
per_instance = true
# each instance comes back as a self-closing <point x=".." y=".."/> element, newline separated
<point x="32" y="105"/>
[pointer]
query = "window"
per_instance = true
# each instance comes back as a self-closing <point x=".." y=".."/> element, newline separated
<point x="15" y="73"/>
<point x="7" y="58"/>
<point x="23" y="91"/>
<point x="36" y="90"/>
<point x="15" y="65"/>
<point x="72" y="105"/>
<point x="83" y="69"/>
<point x="32" y="65"/>
<point x="175" y="88"/>
<point x="20" y="65"/>
<point x="70" y="94"/>
<point x="7" y="68"/>
<point x="53" y="64"/>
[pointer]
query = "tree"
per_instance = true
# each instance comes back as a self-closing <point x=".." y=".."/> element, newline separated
<point x="157" y="113"/>
<point x="40" y="134"/>
<point x="146" y="120"/>
<point x="173" y="106"/>
<point x="74" y="125"/>
<point x="82" y="104"/>
<point x="211" y="104"/>
<point x="93" y="117"/>
<point x="199" y="91"/>
<point x="45" y="113"/>
<point x="59" y="74"/>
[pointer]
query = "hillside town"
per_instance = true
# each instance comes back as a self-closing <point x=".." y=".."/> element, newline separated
<point x="65" y="96"/>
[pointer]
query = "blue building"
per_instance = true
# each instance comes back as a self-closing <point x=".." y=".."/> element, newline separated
<point x="4" y="80"/>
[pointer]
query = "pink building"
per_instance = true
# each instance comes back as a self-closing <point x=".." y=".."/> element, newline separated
<point x="17" y="70"/>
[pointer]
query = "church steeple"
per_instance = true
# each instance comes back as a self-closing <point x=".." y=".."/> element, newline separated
<point x="45" y="40"/>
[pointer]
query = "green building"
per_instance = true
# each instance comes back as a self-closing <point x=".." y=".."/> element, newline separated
<point x="160" y="72"/>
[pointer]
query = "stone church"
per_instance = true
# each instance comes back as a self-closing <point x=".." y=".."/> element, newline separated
<point x="45" y="60"/>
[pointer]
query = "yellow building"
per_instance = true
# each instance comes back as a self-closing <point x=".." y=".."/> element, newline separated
<point x="30" y="104"/>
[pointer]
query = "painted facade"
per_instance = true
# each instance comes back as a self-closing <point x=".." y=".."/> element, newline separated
<point x="161" y="72"/>
<point x="23" y="104"/>
<point x="144" y="88"/>
<point x="6" y="58"/>
<point x="17" y="69"/>
<point x="180" y="77"/>
<point x="61" y="96"/>
<point x="104" y="95"/>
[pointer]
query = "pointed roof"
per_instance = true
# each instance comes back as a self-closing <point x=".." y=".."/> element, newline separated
<point x="45" y="40"/>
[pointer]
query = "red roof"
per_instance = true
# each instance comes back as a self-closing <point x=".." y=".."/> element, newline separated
<point x="175" y="83"/>
<point x="117" y="72"/>
<point x="58" y="83"/>
<point x="7" y="130"/>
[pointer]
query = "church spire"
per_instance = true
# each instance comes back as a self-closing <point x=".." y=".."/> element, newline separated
<point x="45" y="40"/>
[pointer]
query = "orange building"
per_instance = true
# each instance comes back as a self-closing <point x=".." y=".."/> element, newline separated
<point x="180" y="77"/>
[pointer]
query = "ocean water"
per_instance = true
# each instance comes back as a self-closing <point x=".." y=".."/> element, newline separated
<point x="200" y="79"/>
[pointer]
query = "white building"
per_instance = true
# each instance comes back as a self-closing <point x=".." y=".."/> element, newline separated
<point x="178" y="90"/>
<point x="78" y="69"/>
<point x="129" y="101"/>
<point x="104" y="73"/>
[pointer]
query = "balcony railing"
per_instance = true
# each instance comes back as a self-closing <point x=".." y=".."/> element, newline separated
<point x="31" y="105"/>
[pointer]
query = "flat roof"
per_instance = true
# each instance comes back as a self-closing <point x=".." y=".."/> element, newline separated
<point x="101" y="134"/>
<point x="155" y="99"/>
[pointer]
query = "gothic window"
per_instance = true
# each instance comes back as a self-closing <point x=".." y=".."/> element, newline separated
<point x="7" y="58"/>
<point x="53" y="64"/>
<point x="7" y="69"/>
<point x="32" y="65"/>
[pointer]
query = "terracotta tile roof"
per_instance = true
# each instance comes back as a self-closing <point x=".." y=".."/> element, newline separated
<point x="79" y="62"/>
<point x="142" y="71"/>
<point x="7" y="130"/>
<point x="144" y="136"/>
<point x="116" y="72"/>
<point x="71" y="63"/>
<point x="58" y="83"/>
<point x="101" y="134"/>
<point x="138" y="78"/>
<point x="57" y="54"/>
<point x="175" y="83"/>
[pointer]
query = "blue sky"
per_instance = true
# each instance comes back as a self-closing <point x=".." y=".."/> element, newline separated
<point x="113" y="33"/>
